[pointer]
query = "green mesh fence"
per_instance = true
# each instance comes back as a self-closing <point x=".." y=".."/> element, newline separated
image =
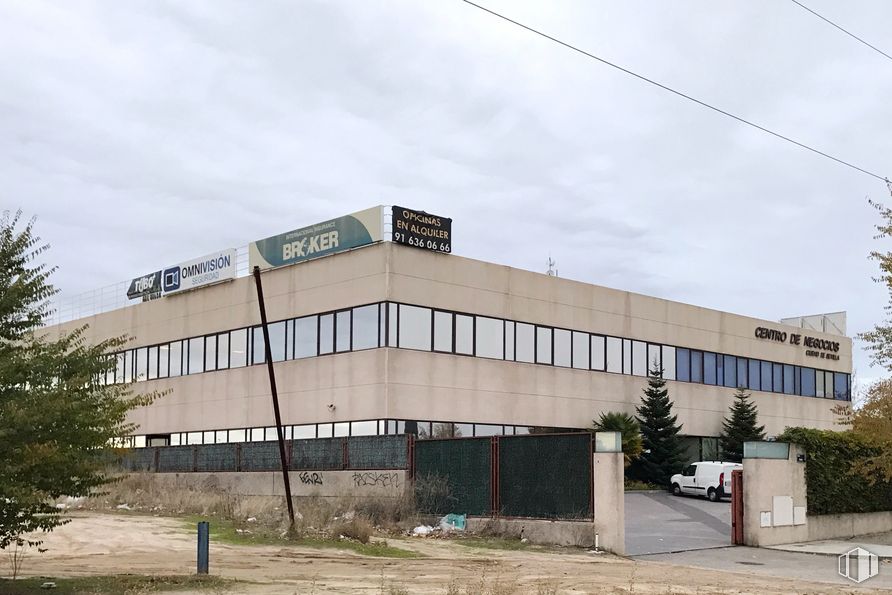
<point x="453" y="476"/>
<point x="261" y="456"/>
<point x="546" y="476"/>
<point x="215" y="457"/>
<point x="176" y="458"/>
<point x="139" y="460"/>
<point x="377" y="452"/>
<point x="318" y="453"/>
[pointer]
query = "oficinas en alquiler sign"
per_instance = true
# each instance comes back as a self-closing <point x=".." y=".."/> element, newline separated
<point x="814" y="347"/>
<point x="422" y="230"/>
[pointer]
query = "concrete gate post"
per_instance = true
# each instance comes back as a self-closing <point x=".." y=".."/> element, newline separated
<point x="774" y="494"/>
<point x="609" y="493"/>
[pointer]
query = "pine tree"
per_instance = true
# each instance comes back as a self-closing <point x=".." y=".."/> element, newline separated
<point x="663" y="454"/>
<point x="740" y="428"/>
<point x="57" y="418"/>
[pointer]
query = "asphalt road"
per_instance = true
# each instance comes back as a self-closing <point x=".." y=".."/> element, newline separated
<point x="658" y="522"/>
<point x="788" y="565"/>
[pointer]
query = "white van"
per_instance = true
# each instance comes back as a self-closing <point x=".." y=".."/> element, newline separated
<point x="705" y="478"/>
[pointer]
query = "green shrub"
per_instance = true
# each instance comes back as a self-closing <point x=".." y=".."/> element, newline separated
<point x="831" y="485"/>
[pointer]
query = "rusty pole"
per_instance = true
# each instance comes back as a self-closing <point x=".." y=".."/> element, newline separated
<point x="272" y="385"/>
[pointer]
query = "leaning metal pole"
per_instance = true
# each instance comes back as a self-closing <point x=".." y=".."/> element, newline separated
<point x="272" y="385"/>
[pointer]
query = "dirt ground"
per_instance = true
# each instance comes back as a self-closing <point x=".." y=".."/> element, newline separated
<point x="97" y="544"/>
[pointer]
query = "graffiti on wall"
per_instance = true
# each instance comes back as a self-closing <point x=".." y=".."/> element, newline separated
<point x="308" y="478"/>
<point x="376" y="479"/>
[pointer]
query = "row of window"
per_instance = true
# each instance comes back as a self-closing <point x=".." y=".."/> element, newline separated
<point x="309" y="336"/>
<point x="727" y="370"/>
<point x="415" y="327"/>
<point x="422" y="429"/>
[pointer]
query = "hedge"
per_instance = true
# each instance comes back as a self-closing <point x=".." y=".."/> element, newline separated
<point x="831" y="486"/>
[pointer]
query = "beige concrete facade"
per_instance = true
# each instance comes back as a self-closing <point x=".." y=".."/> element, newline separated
<point x="404" y="384"/>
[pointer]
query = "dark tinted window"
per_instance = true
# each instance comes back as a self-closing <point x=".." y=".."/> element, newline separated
<point x="754" y="374"/>
<point x="766" y="376"/>
<point x="730" y="371"/>
<point x="683" y="364"/>
<point x="709" y="368"/>
<point x="808" y="382"/>
<point x="840" y="386"/>
<point x="789" y="384"/>
<point x="778" y="377"/>
<point x="696" y="366"/>
<point x="742" y="376"/>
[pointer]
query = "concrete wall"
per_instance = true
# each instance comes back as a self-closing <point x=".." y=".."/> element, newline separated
<point x="390" y="383"/>
<point x="845" y="526"/>
<point x="610" y="507"/>
<point x="565" y="533"/>
<point x="765" y="479"/>
<point x="325" y="484"/>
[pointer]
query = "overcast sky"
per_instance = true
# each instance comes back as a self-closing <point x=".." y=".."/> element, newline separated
<point x="146" y="133"/>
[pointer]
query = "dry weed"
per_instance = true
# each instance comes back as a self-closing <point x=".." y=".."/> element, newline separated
<point x="357" y="528"/>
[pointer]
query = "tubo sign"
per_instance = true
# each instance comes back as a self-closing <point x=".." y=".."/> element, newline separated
<point x="322" y="239"/>
<point x="199" y="272"/>
<point x="422" y="230"/>
<point x="814" y="347"/>
<point x="146" y="286"/>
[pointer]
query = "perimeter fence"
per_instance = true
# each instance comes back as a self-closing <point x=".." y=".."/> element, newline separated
<point x="532" y="476"/>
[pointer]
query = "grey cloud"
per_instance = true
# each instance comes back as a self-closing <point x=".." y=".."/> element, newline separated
<point x="150" y="132"/>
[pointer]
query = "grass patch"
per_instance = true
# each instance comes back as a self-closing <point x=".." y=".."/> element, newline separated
<point x="117" y="584"/>
<point x="225" y="531"/>
<point x="375" y="549"/>
<point x="633" y="485"/>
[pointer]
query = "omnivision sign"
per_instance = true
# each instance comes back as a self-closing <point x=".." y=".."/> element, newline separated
<point x="321" y="239"/>
<point x="191" y="274"/>
<point x="199" y="272"/>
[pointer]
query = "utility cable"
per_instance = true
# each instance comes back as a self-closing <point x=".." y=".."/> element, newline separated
<point x="849" y="33"/>
<point x="675" y="92"/>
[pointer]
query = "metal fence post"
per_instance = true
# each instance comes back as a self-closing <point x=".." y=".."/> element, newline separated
<point x="737" y="507"/>
<point x="203" y="539"/>
<point x="495" y="488"/>
<point x="410" y="455"/>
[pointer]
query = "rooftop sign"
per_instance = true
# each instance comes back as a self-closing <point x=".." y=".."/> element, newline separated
<point x="145" y="286"/>
<point x="199" y="272"/>
<point x="329" y="237"/>
<point x="191" y="274"/>
<point x="422" y="230"/>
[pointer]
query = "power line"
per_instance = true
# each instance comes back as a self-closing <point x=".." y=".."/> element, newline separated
<point x="675" y="92"/>
<point x="849" y="33"/>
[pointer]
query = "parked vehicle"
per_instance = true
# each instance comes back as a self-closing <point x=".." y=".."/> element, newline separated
<point x="705" y="478"/>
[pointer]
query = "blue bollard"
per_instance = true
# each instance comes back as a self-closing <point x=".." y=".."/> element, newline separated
<point x="203" y="538"/>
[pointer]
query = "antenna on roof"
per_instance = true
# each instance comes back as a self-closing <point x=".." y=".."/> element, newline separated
<point x="552" y="272"/>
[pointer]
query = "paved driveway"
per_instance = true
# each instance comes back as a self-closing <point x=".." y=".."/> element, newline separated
<point x="770" y="562"/>
<point x="658" y="522"/>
